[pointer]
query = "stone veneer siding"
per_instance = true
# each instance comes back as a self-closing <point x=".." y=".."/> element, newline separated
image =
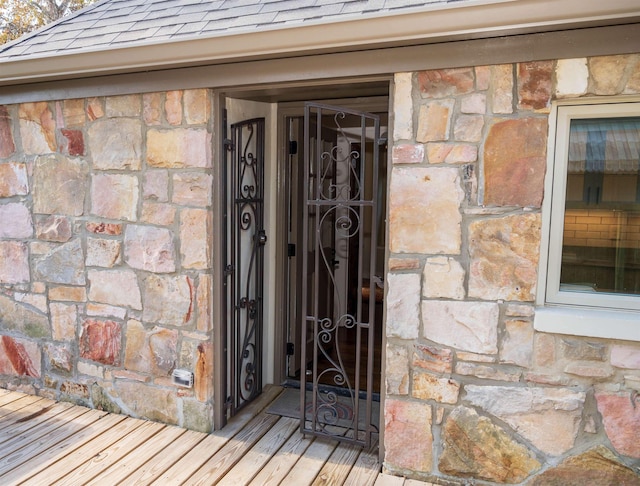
<point x="473" y="393"/>
<point x="105" y="265"/>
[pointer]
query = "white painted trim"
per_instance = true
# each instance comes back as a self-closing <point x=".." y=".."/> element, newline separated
<point x="434" y="23"/>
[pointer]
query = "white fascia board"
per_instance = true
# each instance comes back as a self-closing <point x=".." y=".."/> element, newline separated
<point x="462" y="20"/>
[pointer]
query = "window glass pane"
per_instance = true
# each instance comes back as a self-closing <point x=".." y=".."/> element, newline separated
<point x="601" y="240"/>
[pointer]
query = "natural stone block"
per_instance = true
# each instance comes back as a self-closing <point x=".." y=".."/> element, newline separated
<point x="36" y="300"/>
<point x="49" y="175"/>
<point x="103" y="253"/>
<point x="424" y="210"/>
<point x="625" y="356"/>
<point x="112" y="229"/>
<point x="534" y="85"/>
<point x="19" y="357"/>
<point x="156" y="185"/>
<point x="160" y="214"/>
<point x="396" y="264"/>
<point x="504" y="257"/>
<point x="544" y="349"/>
<point x="403" y="305"/>
<point x="203" y="302"/>
<point x="13" y="175"/>
<point x="178" y="147"/>
<point x="126" y="105"/>
<point x="146" y="402"/>
<point x="502" y="88"/>
<point x="195" y="228"/>
<point x="486" y="372"/>
<point x="434" y="121"/>
<point x="59" y="358"/>
<point x="408" y="154"/>
<point x="633" y="83"/>
<point x="197" y="416"/>
<point x="152" y="351"/>
<point x="203" y="375"/>
<point x="429" y="387"/>
<point x="578" y="349"/>
<point x="443" y="277"/>
<point x="95" y="108"/>
<point x="63" y="321"/>
<point x="37" y="128"/>
<point x="468" y="128"/>
<point x="149" y="248"/>
<point x="515" y="162"/>
<point x="431" y="358"/>
<point x="173" y="107"/>
<point x="475" y="447"/>
<point x="549" y="418"/>
<point x="115" y="287"/>
<point x="102" y="401"/>
<point x="116" y="144"/>
<point x="64" y="264"/>
<point x="403" y="106"/>
<point x="475" y="103"/>
<point x="442" y="83"/>
<point x="621" y="418"/>
<point x="114" y="196"/>
<point x="595" y="466"/>
<point x="397" y="370"/>
<point x="517" y="343"/>
<point x="197" y="106"/>
<point x="408" y="423"/>
<point x="14" y="262"/>
<point x="483" y="77"/>
<point x="73" y="112"/>
<point x="101" y="341"/>
<point x="53" y="228"/>
<point x="23" y="319"/>
<point x="608" y="73"/>
<point x="591" y="369"/>
<point x="152" y="108"/>
<point x="7" y="144"/>
<point x="168" y="300"/>
<point x="572" y="77"/>
<point x="104" y="310"/>
<point x="16" y="221"/>
<point x="438" y="153"/>
<point x="192" y="189"/>
<point x="73" y="143"/>
<point x="469" y="326"/>
<point x="74" y="389"/>
<point x="68" y="294"/>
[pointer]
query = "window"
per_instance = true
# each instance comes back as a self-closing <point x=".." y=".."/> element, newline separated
<point x="592" y="205"/>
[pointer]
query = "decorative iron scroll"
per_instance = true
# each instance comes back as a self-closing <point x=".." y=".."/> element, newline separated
<point x="341" y="228"/>
<point x="245" y="223"/>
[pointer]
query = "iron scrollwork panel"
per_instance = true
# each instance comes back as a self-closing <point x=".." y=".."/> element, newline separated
<point x="245" y="220"/>
<point x="339" y="258"/>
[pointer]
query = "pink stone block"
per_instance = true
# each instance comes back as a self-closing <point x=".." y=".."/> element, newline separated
<point x="7" y="145"/>
<point x="621" y="419"/>
<point x="408" y="154"/>
<point x="173" y="107"/>
<point x="535" y="84"/>
<point x="408" y="440"/>
<point x="445" y="82"/>
<point x="101" y="341"/>
<point x="149" y="248"/>
<point x="626" y="357"/>
<point x="14" y="262"/>
<point x="15" y="221"/>
<point x="19" y="357"/>
<point x="13" y="179"/>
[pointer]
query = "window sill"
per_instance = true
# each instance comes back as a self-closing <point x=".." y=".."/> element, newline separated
<point x="600" y="323"/>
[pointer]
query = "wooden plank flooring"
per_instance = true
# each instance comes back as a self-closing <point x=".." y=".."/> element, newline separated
<point x="44" y="442"/>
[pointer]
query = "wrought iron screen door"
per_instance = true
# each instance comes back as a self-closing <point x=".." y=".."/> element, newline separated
<point x="339" y="265"/>
<point x="244" y="244"/>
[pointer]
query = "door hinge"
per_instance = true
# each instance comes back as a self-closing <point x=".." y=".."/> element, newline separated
<point x="228" y="270"/>
<point x="293" y="147"/>
<point x="228" y="145"/>
<point x="228" y="402"/>
<point x="291" y="250"/>
<point x="290" y="349"/>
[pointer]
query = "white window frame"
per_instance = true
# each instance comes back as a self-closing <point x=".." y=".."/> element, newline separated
<point x="563" y="311"/>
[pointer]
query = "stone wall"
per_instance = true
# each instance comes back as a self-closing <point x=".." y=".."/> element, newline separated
<point x="105" y="271"/>
<point x="473" y="392"/>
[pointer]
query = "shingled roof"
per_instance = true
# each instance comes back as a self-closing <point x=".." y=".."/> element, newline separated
<point x="110" y="24"/>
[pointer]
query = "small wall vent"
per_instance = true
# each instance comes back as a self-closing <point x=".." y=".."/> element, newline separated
<point x="182" y="378"/>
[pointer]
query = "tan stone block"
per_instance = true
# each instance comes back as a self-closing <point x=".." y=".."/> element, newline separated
<point x="13" y="179"/>
<point x="192" y="189"/>
<point x="58" y="358"/>
<point x="504" y="257"/>
<point x="104" y="310"/>
<point x="156" y="185"/>
<point x="95" y="108"/>
<point x="90" y="369"/>
<point x="116" y="144"/>
<point x="149" y="248"/>
<point x="468" y="128"/>
<point x="7" y="143"/>
<point x="625" y="356"/>
<point x="475" y="357"/>
<point x="37" y="128"/>
<point x="544" y="349"/>
<point x="403" y="107"/>
<point x="161" y="214"/>
<point x="152" y="108"/>
<point x="73" y="112"/>
<point x="483" y="77"/>
<point x="408" y="423"/>
<point x="579" y="349"/>
<point x="195" y="227"/>
<point x="168" y="300"/>
<point x="572" y="77"/>
<point x="68" y="294"/>
<point x="442" y="83"/>
<point x="150" y="351"/>
<point x="197" y="106"/>
<point x="424" y="211"/>
<point x="63" y="321"/>
<point x="589" y="369"/>
<point x="397" y="370"/>
<point x="178" y="148"/>
<point x="173" y="107"/>
<point x="103" y="253"/>
<point x="547" y="379"/>
<point x="475" y="103"/>
<point x="502" y="88"/>
<point x="50" y="173"/>
<point x="633" y="83"/>
<point x="432" y="358"/>
<point x="403" y="305"/>
<point x="147" y="402"/>
<point x="115" y="287"/>
<point x="203" y="376"/>
<point x="130" y="375"/>
<point x="14" y="262"/>
<point x="486" y="372"/>
<point x="519" y="310"/>
<point x="607" y="73"/>
<point x="114" y="196"/>
<point x="396" y="264"/>
<point x="203" y="301"/>
<point x="121" y="106"/>
<point x="443" y="277"/>
<point x="451" y="153"/>
<point x="434" y="121"/>
<point x="535" y="85"/>
<point x="429" y="387"/>
<point x="517" y="343"/>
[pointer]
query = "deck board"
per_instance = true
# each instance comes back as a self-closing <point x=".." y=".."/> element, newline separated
<point x="44" y="442"/>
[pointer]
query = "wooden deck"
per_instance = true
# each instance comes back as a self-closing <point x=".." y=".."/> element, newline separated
<point x="48" y="442"/>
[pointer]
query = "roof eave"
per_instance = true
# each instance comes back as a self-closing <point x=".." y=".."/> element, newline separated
<point x="461" y="21"/>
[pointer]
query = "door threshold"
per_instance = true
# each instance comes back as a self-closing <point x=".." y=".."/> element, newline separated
<point x="343" y="392"/>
